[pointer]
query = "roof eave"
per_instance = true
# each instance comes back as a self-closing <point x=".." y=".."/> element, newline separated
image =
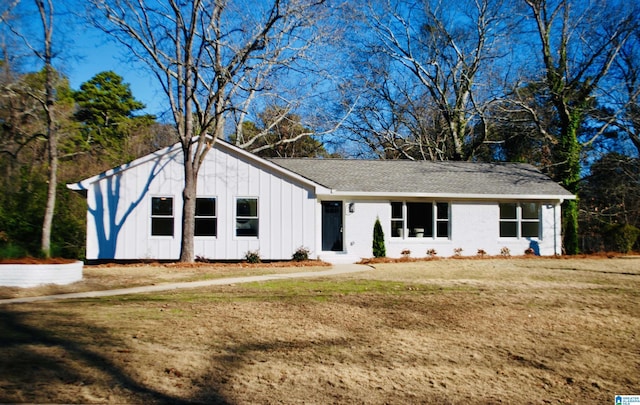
<point x="460" y="196"/>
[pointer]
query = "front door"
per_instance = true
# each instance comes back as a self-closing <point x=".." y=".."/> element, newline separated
<point x="332" y="226"/>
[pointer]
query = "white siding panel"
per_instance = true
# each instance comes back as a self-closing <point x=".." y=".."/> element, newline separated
<point x="286" y="224"/>
<point x="473" y="225"/>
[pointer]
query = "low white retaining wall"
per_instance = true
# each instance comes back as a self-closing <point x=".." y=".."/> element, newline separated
<point x="32" y="275"/>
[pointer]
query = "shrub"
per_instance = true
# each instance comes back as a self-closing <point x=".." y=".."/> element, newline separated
<point x="505" y="252"/>
<point x="432" y="253"/>
<point x="252" y="257"/>
<point x="405" y="253"/>
<point x="379" y="249"/>
<point x="457" y="252"/>
<point x="301" y="254"/>
<point x="620" y="238"/>
<point x="11" y="251"/>
<point x="529" y="251"/>
<point x="481" y="253"/>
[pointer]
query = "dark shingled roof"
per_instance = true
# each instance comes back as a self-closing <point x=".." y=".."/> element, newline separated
<point x="405" y="176"/>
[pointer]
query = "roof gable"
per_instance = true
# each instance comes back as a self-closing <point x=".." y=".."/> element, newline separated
<point x="175" y="148"/>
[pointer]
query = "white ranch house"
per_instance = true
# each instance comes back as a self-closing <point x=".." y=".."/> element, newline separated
<point x="329" y="206"/>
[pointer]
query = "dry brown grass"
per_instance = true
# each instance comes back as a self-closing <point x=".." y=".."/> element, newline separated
<point x="442" y="331"/>
<point x="113" y="276"/>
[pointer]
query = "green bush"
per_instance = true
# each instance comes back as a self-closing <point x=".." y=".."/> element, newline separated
<point x="379" y="249"/>
<point x="620" y="238"/>
<point x="301" y="254"/>
<point x="252" y="257"/>
<point x="11" y="251"/>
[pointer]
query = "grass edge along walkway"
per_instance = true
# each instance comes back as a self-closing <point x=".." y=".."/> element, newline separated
<point x="334" y="270"/>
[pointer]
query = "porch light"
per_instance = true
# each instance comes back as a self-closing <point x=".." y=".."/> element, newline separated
<point x="352" y="207"/>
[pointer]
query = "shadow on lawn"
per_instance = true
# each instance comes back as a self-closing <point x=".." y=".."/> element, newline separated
<point x="50" y="363"/>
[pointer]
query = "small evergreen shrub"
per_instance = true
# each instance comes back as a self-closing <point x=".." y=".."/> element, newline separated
<point x="301" y="254"/>
<point x="252" y="257"/>
<point x="379" y="250"/>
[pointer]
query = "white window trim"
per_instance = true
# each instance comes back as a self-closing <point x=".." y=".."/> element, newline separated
<point x="172" y="216"/>
<point x="434" y="224"/>
<point x="215" y="216"/>
<point x="519" y="220"/>
<point x="235" y="216"/>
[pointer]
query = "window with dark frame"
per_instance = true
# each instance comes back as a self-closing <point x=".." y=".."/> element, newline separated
<point x="520" y="220"/>
<point x="162" y="216"/>
<point x="419" y="219"/>
<point x="206" y="217"/>
<point x="247" y="222"/>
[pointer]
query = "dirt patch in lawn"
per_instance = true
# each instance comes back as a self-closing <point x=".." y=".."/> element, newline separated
<point x="444" y="331"/>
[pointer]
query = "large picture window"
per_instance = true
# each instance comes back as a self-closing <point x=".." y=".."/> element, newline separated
<point x="206" y="219"/>
<point x="247" y="217"/>
<point x="419" y="219"/>
<point x="162" y="216"/>
<point x="519" y="220"/>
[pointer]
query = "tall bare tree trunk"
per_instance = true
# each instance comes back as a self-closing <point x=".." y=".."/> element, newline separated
<point x="46" y="16"/>
<point x="187" y="252"/>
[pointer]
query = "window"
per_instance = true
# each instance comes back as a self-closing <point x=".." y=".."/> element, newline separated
<point x="519" y="220"/>
<point x="162" y="216"/>
<point x="206" y="220"/>
<point x="247" y="217"/>
<point x="442" y="220"/>
<point x="419" y="219"/>
<point x="397" y="219"/>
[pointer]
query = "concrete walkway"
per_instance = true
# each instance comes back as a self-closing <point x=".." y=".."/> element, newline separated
<point x="335" y="270"/>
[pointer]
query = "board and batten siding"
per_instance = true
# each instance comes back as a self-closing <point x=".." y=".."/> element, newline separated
<point x="119" y="215"/>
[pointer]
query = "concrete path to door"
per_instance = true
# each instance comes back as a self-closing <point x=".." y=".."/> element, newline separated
<point x="336" y="269"/>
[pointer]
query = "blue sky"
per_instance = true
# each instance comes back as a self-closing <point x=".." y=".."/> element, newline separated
<point x="82" y="51"/>
<point x="92" y="53"/>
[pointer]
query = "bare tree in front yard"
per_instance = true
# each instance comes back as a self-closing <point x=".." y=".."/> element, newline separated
<point x="211" y="59"/>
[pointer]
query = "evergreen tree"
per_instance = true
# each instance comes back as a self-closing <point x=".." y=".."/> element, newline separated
<point x="379" y="249"/>
<point x="106" y="109"/>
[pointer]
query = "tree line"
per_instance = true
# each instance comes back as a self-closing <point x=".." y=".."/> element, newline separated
<point x="554" y="83"/>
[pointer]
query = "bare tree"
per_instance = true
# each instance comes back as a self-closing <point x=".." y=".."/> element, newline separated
<point x="211" y="57"/>
<point x="45" y="10"/>
<point x="626" y="117"/>
<point x="432" y="56"/>
<point x="578" y="43"/>
<point x="43" y="50"/>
